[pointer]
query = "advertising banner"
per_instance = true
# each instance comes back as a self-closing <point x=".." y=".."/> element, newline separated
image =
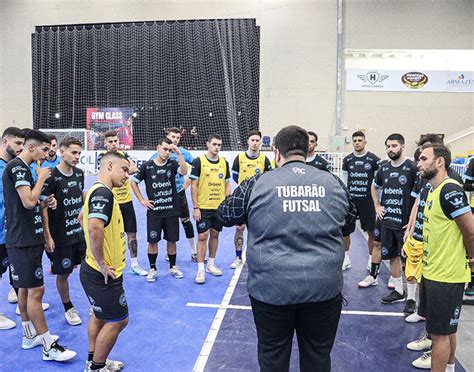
<point x="101" y="119"/>
<point x="410" y="81"/>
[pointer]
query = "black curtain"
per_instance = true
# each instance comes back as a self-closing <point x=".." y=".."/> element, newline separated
<point x="202" y="73"/>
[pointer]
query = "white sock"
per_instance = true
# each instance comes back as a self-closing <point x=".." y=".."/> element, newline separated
<point x="134" y="261"/>
<point x="411" y="288"/>
<point x="29" y="330"/>
<point x="450" y="367"/>
<point x="47" y="340"/>
<point x="370" y="258"/>
<point x="211" y="261"/>
<point x="192" y="245"/>
<point x="346" y="255"/>
<point x="200" y="266"/>
<point x="398" y="284"/>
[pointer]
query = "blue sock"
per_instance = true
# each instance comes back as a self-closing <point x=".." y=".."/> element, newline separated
<point x="238" y="254"/>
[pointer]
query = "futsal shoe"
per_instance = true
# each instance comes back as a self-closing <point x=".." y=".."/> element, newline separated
<point x="390" y="284"/>
<point x="6" y="323"/>
<point x="152" y="274"/>
<point x="468" y="298"/>
<point x="58" y="353"/>
<point x="423" y="343"/>
<point x="200" y="277"/>
<point x="236" y="263"/>
<point x="44" y="305"/>
<point x="72" y="317"/>
<point x="30" y="343"/>
<point x="414" y="318"/>
<point x="176" y="272"/>
<point x="393" y="297"/>
<point x="12" y="297"/>
<point x="138" y="270"/>
<point x="347" y="263"/>
<point x="423" y="362"/>
<point x="110" y="365"/>
<point x="369" y="281"/>
<point x="213" y="270"/>
<point x="410" y="307"/>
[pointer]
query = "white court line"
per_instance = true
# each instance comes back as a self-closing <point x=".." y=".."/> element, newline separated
<point x="344" y="312"/>
<point x="217" y="322"/>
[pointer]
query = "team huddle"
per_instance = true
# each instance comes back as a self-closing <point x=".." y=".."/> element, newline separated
<point x="409" y="210"/>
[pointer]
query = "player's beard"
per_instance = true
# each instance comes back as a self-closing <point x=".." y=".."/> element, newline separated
<point x="52" y="154"/>
<point x="11" y="152"/>
<point x="429" y="173"/>
<point x="395" y="155"/>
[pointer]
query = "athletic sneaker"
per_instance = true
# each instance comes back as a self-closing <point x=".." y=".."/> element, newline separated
<point x="138" y="270"/>
<point x="176" y="272"/>
<point x="368" y="282"/>
<point x="214" y="270"/>
<point x="12" y="297"/>
<point x="414" y="318"/>
<point x="72" y="317"/>
<point x="30" y="343"/>
<point x="6" y="323"/>
<point x="423" y="343"/>
<point x="347" y="263"/>
<point x="423" y="362"/>
<point x="467" y="299"/>
<point x="58" y="353"/>
<point x="393" y="297"/>
<point x="236" y="263"/>
<point x="200" y="277"/>
<point x="390" y="284"/>
<point x="45" y="307"/>
<point x="469" y="291"/>
<point x="410" y="307"/>
<point x="152" y="274"/>
<point x="110" y="365"/>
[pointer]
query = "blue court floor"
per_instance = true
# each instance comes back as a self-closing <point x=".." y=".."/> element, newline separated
<point x="171" y="320"/>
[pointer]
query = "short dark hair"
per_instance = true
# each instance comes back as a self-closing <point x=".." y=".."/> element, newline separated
<point x="311" y="133"/>
<point x="395" y="137"/>
<point x="417" y="154"/>
<point x="112" y="155"/>
<point x="255" y="133"/>
<point x="358" y="134"/>
<point x="111" y="133"/>
<point x="13" y="132"/>
<point x="214" y="136"/>
<point x="38" y="136"/>
<point x="52" y="137"/>
<point x="174" y="130"/>
<point x="432" y="138"/>
<point x="439" y="151"/>
<point x="165" y="140"/>
<point x="292" y="140"/>
<point x="69" y="141"/>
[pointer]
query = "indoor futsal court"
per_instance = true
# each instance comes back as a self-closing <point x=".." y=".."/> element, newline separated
<point x="367" y="88"/>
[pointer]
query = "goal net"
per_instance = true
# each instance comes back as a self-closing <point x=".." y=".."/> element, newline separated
<point x="80" y="134"/>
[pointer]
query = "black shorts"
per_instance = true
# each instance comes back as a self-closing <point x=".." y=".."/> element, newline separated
<point x="108" y="301"/>
<point x="392" y="242"/>
<point x="129" y="217"/>
<point x="156" y="224"/>
<point x="378" y="230"/>
<point x="26" y="266"/>
<point x="440" y="304"/>
<point x="366" y="213"/>
<point x="64" y="258"/>
<point x="183" y="205"/>
<point x="208" y="221"/>
<point x="3" y="259"/>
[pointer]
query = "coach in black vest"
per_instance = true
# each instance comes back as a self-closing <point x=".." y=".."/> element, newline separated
<point x="295" y="215"/>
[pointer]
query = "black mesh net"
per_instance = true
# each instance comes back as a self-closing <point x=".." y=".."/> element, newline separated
<point x="201" y="76"/>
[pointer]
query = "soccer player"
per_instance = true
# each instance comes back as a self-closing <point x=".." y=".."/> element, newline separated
<point x="52" y="160"/>
<point x="313" y="158"/>
<point x="63" y="233"/>
<point x="25" y="243"/>
<point x="101" y="271"/>
<point x="210" y="184"/>
<point x="358" y="171"/>
<point x="396" y="180"/>
<point x="162" y="203"/>
<point x="12" y="145"/>
<point x="123" y="196"/>
<point x="247" y="164"/>
<point x="448" y="254"/>
<point x="469" y="186"/>
<point x="174" y="134"/>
